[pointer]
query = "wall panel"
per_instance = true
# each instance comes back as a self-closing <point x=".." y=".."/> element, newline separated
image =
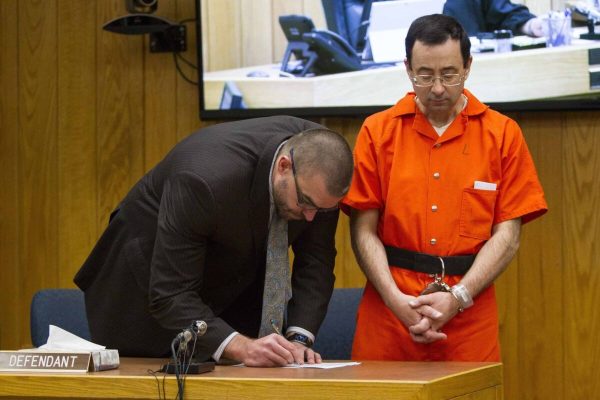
<point x="539" y="7"/>
<point x="507" y="292"/>
<point x="225" y="49"/>
<point x="120" y="113"/>
<point x="37" y="161"/>
<point x="314" y="9"/>
<point x="77" y="150"/>
<point x="581" y="193"/>
<point x="187" y="99"/>
<point x="10" y="284"/>
<point x="261" y="31"/>
<point x="160" y="125"/>
<point x="347" y="271"/>
<point x="540" y="275"/>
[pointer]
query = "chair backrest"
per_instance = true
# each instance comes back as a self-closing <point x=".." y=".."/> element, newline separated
<point x="349" y="19"/>
<point x="335" y="337"/>
<point x="64" y="308"/>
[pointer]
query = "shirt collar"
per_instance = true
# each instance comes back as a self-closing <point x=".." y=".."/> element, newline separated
<point x="407" y="105"/>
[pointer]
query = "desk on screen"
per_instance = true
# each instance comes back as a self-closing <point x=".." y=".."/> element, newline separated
<point x="524" y="75"/>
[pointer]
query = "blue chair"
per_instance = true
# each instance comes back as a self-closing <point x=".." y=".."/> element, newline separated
<point x="64" y="308"/>
<point x="335" y="337"/>
<point x="349" y="19"/>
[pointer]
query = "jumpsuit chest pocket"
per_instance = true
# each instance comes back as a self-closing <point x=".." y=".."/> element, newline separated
<point x="477" y="213"/>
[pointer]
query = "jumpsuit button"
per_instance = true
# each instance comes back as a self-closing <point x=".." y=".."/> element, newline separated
<point x="433" y="241"/>
<point x="434" y="208"/>
<point x="436" y="175"/>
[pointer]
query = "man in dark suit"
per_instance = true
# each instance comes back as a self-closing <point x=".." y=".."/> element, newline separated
<point x="189" y="242"/>
<point x="489" y="15"/>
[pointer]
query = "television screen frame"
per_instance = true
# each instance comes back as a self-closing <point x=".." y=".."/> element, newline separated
<point x="561" y="104"/>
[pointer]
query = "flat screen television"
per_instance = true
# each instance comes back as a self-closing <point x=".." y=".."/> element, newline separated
<point x="262" y="57"/>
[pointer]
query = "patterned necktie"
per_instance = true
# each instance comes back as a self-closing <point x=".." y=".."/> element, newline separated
<point x="277" y="290"/>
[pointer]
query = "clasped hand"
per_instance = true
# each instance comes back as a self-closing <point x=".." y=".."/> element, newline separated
<point x="425" y="315"/>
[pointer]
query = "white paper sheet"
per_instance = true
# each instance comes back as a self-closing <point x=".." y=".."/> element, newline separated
<point x="324" y="365"/>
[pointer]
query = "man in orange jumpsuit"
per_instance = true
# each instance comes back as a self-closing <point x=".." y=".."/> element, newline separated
<point x="441" y="186"/>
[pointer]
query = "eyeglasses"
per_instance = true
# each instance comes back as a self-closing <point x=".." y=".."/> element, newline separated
<point x="429" y="80"/>
<point x="302" y="201"/>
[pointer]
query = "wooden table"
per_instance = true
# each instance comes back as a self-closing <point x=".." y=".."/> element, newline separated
<point x="370" y="380"/>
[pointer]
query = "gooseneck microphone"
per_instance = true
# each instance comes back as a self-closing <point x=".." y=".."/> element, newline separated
<point x="197" y="329"/>
<point x="182" y="364"/>
<point x="182" y="354"/>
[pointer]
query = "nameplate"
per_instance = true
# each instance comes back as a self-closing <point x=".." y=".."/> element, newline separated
<point x="37" y="361"/>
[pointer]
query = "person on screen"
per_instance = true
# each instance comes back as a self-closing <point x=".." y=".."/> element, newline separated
<point x="441" y="187"/>
<point x="194" y="238"/>
<point x="489" y="15"/>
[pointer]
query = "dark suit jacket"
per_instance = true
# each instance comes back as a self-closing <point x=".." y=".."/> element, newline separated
<point x="189" y="242"/>
<point x="488" y="15"/>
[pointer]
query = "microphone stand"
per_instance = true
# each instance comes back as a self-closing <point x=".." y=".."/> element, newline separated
<point x="181" y="362"/>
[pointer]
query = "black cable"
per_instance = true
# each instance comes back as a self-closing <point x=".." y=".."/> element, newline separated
<point x="185" y="60"/>
<point x="189" y="63"/>
<point x="182" y="360"/>
<point x="181" y="72"/>
<point x="183" y="21"/>
<point x="192" y="354"/>
<point x="161" y="395"/>
<point x="175" y="355"/>
<point x="185" y="366"/>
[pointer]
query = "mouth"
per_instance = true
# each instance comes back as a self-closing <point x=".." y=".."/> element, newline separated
<point x="437" y="101"/>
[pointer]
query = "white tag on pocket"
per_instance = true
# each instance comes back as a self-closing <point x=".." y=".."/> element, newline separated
<point x="484" y="185"/>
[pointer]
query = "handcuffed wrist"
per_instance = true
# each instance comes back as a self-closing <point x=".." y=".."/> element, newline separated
<point x="462" y="295"/>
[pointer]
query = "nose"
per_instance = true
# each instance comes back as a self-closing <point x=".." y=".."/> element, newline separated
<point x="437" y="87"/>
<point x="309" y="215"/>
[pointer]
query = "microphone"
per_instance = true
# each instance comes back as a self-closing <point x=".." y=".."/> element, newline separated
<point x="184" y="338"/>
<point x="179" y="365"/>
<point x="198" y="328"/>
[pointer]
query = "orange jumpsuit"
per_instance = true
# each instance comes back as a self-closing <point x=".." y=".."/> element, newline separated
<point x="423" y="185"/>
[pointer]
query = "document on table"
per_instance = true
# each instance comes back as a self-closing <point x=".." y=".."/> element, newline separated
<point x="324" y="365"/>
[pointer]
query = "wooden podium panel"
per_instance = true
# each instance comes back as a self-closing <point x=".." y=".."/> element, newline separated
<point x="371" y="380"/>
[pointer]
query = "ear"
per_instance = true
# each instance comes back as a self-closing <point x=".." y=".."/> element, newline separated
<point x="468" y="68"/>
<point x="283" y="163"/>
<point x="407" y="66"/>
